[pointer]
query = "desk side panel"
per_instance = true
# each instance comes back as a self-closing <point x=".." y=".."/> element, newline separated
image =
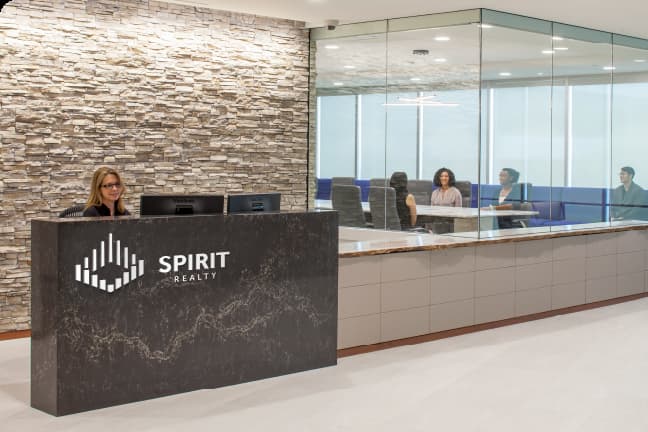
<point x="44" y="288"/>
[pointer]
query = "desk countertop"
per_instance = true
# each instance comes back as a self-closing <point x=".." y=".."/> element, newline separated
<point x="355" y="242"/>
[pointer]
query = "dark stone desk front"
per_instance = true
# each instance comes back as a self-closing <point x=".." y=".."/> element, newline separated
<point x="135" y="308"/>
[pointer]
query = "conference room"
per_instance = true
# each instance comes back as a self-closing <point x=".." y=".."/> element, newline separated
<point x="477" y="92"/>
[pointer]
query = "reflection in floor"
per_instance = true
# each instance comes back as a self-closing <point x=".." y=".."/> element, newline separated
<point x="579" y="372"/>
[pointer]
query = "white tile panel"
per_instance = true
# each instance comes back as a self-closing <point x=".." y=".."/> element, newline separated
<point x="532" y="252"/>
<point x="452" y="261"/>
<point x="568" y="294"/>
<point x="600" y="289"/>
<point x="452" y="315"/>
<point x="568" y="270"/>
<point x="403" y="266"/>
<point x="631" y="262"/>
<point x="494" y="308"/>
<point x="495" y="281"/>
<point x="533" y="276"/>
<point x="359" y="271"/>
<point x="405" y="323"/>
<point x="600" y="266"/>
<point x="569" y="247"/>
<point x="601" y="244"/>
<point x="630" y="283"/>
<point x="405" y="294"/>
<point x="363" y="330"/>
<point x="532" y="301"/>
<point x="631" y="241"/>
<point x="454" y="287"/>
<point x="358" y="300"/>
<point x="495" y="256"/>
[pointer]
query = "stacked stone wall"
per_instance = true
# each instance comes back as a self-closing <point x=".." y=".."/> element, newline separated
<point x="179" y="99"/>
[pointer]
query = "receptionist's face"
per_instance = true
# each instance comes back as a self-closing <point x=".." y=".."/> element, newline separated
<point x="110" y="190"/>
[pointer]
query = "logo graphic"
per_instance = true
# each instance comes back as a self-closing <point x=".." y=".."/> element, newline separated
<point x="131" y="267"/>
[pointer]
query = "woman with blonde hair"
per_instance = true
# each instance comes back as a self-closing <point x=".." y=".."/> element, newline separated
<point x="106" y="193"/>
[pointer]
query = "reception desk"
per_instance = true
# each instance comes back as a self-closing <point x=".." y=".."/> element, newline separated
<point x="135" y="308"/>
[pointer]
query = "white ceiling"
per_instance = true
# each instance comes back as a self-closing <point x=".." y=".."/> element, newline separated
<point x="620" y="16"/>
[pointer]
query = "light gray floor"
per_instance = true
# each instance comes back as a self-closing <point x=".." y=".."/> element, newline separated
<point x="586" y="371"/>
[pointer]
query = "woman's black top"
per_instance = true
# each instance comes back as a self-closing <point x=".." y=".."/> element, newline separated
<point x="102" y="210"/>
<point x="403" y="210"/>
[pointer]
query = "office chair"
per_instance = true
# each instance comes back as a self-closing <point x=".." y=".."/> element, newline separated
<point x="346" y="200"/>
<point x="465" y="187"/>
<point x="382" y="204"/>
<point x="379" y="182"/>
<point x="74" y="211"/>
<point x="421" y="189"/>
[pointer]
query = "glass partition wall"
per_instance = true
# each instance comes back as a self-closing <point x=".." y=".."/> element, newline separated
<point x="537" y="125"/>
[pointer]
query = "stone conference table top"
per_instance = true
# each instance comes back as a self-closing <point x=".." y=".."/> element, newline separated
<point x="442" y="211"/>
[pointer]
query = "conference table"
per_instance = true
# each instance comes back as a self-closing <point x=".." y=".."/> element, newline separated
<point x="463" y="218"/>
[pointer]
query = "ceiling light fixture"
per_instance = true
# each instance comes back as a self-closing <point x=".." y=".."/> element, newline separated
<point x="505" y="74"/>
<point x="440" y="60"/>
<point x="442" y="38"/>
<point x="487" y="26"/>
<point x="548" y="51"/>
<point x="640" y="61"/>
<point x="349" y="67"/>
<point x="415" y="79"/>
<point x="331" y="47"/>
<point x="557" y="38"/>
<point x="609" y="67"/>
<point x="561" y="48"/>
<point x="338" y="84"/>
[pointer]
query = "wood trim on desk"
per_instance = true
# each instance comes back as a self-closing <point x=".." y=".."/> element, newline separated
<point x="15" y="334"/>
<point x="363" y="349"/>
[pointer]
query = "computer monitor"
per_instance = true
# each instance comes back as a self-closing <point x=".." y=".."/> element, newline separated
<point x="158" y="205"/>
<point x="250" y="203"/>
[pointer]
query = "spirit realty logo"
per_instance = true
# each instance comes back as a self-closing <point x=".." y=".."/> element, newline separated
<point x="110" y="252"/>
<point x="193" y="267"/>
<point x="183" y="268"/>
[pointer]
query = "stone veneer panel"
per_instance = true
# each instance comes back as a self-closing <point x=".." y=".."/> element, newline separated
<point x="179" y="99"/>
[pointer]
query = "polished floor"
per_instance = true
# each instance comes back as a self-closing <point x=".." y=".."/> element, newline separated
<point x="586" y="371"/>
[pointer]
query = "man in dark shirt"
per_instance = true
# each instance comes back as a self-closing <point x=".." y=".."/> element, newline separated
<point x="628" y="198"/>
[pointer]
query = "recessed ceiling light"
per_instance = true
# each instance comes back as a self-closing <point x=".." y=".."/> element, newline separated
<point x="442" y="38"/>
<point x="505" y="74"/>
<point x="540" y="73"/>
<point x="338" y="84"/>
<point x="331" y="46"/>
<point x="609" y="67"/>
<point x="440" y="60"/>
<point x="557" y="38"/>
<point x="640" y="61"/>
<point x="349" y="67"/>
<point x="548" y="51"/>
<point x="561" y="48"/>
<point x="415" y="79"/>
<point x="482" y="25"/>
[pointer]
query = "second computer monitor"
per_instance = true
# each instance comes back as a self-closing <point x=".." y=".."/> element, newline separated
<point x="157" y="205"/>
<point x="252" y="203"/>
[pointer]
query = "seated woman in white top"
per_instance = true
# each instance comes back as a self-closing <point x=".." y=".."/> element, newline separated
<point x="446" y="194"/>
